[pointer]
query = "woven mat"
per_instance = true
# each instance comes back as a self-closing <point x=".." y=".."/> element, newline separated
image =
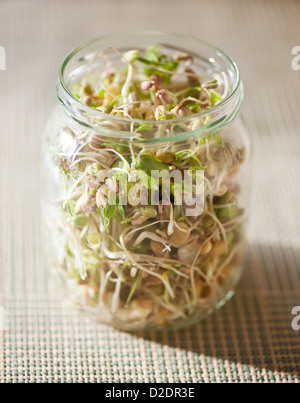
<point x="251" y="338"/>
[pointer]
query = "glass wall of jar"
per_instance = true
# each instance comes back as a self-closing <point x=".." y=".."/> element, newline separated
<point x="132" y="236"/>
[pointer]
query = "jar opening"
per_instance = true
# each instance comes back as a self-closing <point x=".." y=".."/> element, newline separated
<point x="209" y="61"/>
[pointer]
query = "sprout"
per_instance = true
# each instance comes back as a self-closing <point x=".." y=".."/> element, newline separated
<point x="151" y="77"/>
<point x="182" y="56"/>
<point x="92" y="182"/>
<point x="131" y="55"/>
<point x="149" y="212"/>
<point x="181" y="235"/>
<point x="166" y="156"/>
<point x="184" y="111"/>
<point x="89" y="208"/>
<point x="146" y="85"/>
<point x="187" y="253"/>
<point x="160" y="112"/>
<point x="94" y="239"/>
<point x="165" y="97"/>
<point x="133" y="97"/>
<point x="101" y="197"/>
<point x="87" y="100"/>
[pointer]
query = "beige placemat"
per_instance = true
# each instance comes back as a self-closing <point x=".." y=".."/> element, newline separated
<point x="249" y="340"/>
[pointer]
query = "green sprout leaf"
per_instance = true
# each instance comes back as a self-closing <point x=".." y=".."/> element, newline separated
<point x="133" y="288"/>
<point x="69" y="252"/>
<point x="147" y="181"/>
<point x="80" y="220"/>
<point x="153" y="54"/>
<point x="214" y="97"/>
<point x="101" y="93"/>
<point x="149" y="163"/>
<point x="72" y="204"/>
<point x="94" y="238"/>
<point x="107" y="213"/>
<point x="76" y="90"/>
<point x="143" y="127"/>
<point x="111" y="106"/>
<point x="131" y="55"/>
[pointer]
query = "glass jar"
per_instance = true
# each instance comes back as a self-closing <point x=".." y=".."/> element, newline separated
<point x="137" y="263"/>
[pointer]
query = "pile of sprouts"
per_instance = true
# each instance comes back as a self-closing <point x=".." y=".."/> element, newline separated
<point x="141" y="265"/>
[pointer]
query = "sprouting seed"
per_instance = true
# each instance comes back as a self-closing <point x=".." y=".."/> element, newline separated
<point x="87" y="100"/>
<point x="184" y="111"/>
<point x="182" y="56"/>
<point x="166" y="156"/>
<point x="165" y="97"/>
<point x="160" y="112"/>
<point x="146" y="85"/>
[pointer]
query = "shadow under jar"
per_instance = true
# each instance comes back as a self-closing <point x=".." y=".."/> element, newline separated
<point x="120" y="246"/>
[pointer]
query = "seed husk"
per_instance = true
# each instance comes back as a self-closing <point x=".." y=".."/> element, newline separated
<point x="184" y="111"/>
<point x="180" y="236"/>
<point x="218" y="249"/>
<point x="160" y="112"/>
<point x="159" y="250"/>
<point x="101" y="197"/>
<point x="199" y="287"/>
<point x="87" y="90"/>
<point x="181" y="56"/>
<point x="149" y="212"/>
<point x="133" y="97"/>
<point x="146" y="85"/>
<point x="165" y="97"/>
<point x="228" y="212"/>
<point x="211" y="168"/>
<point x="228" y="157"/>
<point x="87" y="100"/>
<point x="92" y="182"/>
<point x="111" y="90"/>
<point x="94" y="238"/>
<point x="223" y="189"/>
<point x="206" y="248"/>
<point x="187" y="253"/>
<point x="196" y="124"/>
<point x="88" y="208"/>
<point x="166" y="156"/>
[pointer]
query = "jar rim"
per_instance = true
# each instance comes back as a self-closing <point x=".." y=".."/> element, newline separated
<point x="87" y="109"/>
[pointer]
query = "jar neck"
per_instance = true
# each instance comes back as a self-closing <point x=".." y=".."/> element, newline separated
<point x="201" y="124"/>
<point x="211" y="121"/>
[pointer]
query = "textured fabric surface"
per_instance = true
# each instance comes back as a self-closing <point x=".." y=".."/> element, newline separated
<point x="251" y="338"/>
